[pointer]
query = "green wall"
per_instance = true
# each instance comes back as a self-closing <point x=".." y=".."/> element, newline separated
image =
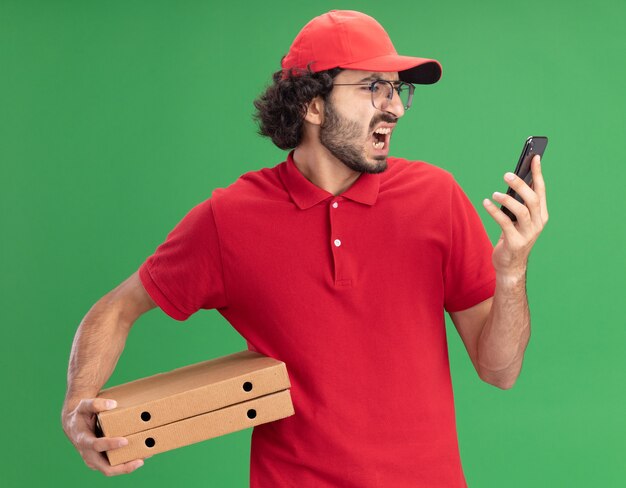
<point x="116" y="117"/>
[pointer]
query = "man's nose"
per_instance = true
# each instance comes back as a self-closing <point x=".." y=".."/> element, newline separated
<point x="394" y="106"/>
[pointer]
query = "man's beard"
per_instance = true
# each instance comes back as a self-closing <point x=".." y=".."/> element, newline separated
<point x="340" y="136"/>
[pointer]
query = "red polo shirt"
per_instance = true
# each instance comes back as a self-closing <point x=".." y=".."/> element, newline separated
<point x="349" y="291"/>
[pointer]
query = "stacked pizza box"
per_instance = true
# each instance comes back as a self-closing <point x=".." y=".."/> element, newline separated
<point x="195" y="403"/>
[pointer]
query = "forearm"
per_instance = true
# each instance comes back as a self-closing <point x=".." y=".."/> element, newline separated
<point x="97" y="346"/>
<point x="505" y="335"/>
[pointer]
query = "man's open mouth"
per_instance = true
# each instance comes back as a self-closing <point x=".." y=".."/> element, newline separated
<point x="381" y="137"/>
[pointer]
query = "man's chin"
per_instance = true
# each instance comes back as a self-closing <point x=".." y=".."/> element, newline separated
<point x="378" y="166"/>
<point x="360" y="163"/>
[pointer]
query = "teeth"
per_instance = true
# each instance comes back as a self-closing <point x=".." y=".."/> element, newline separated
<point x="383" y="130"/>
<point x="378" y="145"/>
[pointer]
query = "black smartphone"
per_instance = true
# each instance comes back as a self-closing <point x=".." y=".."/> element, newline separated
<point x="534" y="145"/>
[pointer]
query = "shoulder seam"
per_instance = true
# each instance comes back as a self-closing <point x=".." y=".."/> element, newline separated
<point x="219" y="246"/>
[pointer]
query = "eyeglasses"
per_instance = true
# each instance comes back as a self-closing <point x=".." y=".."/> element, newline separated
<point x="382" y="92"/>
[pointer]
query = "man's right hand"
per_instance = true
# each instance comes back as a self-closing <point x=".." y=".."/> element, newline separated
<point x="79" y="425"/>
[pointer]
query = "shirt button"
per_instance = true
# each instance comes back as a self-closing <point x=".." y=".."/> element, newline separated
<point x="337" y="242"/>
<point x="335" y="205"/>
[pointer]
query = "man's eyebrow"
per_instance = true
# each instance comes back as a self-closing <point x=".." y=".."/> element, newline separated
<point x="376" y="76"/>
<point x="372" y="77"/>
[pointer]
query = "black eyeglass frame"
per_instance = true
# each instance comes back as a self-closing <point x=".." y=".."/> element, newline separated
<point x="396" y="86"/>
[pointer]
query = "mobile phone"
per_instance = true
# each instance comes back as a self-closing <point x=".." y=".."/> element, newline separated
<point x="534" y="145"/>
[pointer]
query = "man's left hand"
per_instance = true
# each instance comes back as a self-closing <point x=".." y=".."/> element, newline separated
<point x="510" y="254"/>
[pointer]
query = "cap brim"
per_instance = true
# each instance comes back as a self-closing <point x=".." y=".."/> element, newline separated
<point x="414" y="70"/>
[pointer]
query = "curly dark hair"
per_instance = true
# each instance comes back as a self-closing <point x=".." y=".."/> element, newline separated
<point x="280" y="111"/>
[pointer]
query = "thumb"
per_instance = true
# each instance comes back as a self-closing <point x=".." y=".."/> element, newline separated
<point x="95" y="405"/>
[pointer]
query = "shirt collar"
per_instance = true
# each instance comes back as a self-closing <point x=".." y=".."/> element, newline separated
<point x="305" y="194"/>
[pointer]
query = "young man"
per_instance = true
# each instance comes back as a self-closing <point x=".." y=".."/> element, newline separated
<point x="339" y="261"/>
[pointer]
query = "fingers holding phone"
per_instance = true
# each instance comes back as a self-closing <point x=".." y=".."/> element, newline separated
<point x="523" y="212"/>
<point x="526" y="208"/>
<point x="534" y="146"/>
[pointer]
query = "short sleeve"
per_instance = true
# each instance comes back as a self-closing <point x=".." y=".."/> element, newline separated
<point x="185" y="272"/>
<point x="469" y="276"/>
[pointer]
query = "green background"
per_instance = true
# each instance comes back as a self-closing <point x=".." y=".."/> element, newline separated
<point x="116" y="117"/>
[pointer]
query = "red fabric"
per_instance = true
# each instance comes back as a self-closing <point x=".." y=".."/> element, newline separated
<point x="353" y="40"/>
<point x="360" y="325"/>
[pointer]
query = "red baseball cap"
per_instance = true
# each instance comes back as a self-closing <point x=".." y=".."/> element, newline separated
<point x="353" y="40"/>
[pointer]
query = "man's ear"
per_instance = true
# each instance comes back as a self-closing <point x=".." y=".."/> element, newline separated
<point x="315" y="111"/>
